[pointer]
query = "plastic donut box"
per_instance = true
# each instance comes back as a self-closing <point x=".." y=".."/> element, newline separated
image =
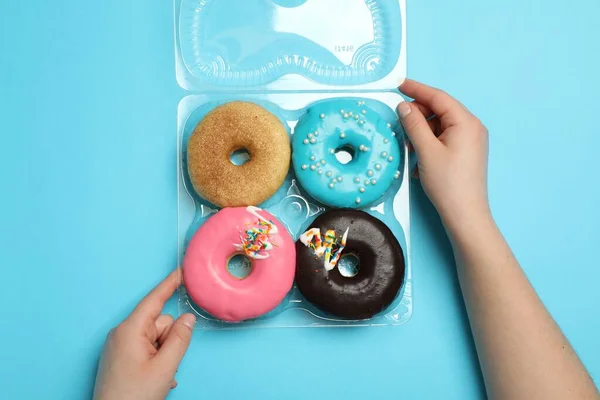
<point x="286" y="56"/>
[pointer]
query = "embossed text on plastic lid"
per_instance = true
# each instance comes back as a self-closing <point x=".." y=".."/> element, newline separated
<point x="296" y="45"/>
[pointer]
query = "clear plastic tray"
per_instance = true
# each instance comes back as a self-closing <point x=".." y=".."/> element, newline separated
<point x="294" y="207"/>
<point x="290" y="45"/>
<point x="287" y="55"/>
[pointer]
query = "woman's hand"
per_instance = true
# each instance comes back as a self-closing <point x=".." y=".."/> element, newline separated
<point x="142" y="354"/>
<point x="452" y="151"/>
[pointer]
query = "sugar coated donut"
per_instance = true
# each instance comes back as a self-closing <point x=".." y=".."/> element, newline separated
<point x="345" y="125"/>
<point x="321" y="250"/>
<point x="254" y="233"/>
<point x="226" y="129"/>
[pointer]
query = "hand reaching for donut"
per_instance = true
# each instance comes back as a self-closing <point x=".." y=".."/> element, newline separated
<point x="142" y="354"/>
<point x="452" y="151"/>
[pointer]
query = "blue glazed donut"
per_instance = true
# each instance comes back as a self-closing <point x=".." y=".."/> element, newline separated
<point x="350" y="126"/>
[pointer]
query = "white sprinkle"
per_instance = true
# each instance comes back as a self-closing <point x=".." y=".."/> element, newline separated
<point x="312" y="167"/>
<point x="358" y="200"/>
<point x="331" y="151"/>
<point x="304" y="166"/>
<point x="323" y="162"/>
<point x="320" y="172"/>
<point x="397" y="175"/>
<point x="342" y="135"/>
<point x="373" y="182"/>
<point x="384" y="154"/>
<point x="362" y="190"/>
<point x="333" y="180"/>
<point x="349" y="112"/>
<point x="393" y="133"/>
<point x="313" y="140"/>
<point x="329" y="174"/>
<point x="361" y="147"/>
<point x="367" y="182"/>
<point x="305" y="141"/>
<point x="386" y="141"/>
<point x="367" y="148"/>
<point x="356" y="116"/>
<point x="357" y="180"/>
<point x="316" y="133"/>
<point x="346" y="116"/>
<point x="312" y="158"/>
<point x="390" y="158"/>
<point x="322" y="116"/>
<point x="361" y="122"/>
<point x="339" y="179"/>
<point x="342" y="111"/>
<point x="310" y="135"/>
<point x="370" y="173"/>
<point x="364" y="112"/>
<point x="389" y="125"/>
<point x="377" y="167"/>
<point x="331" y="185"/>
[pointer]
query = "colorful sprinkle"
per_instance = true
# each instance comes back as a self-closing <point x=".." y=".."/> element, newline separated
<point x="256" y="240"/>
<point x="330" y="248"/>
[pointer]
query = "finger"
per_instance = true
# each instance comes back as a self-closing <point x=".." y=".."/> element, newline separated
<point x="415" y="173"/>
<point x="426" y="111"/>
<point x="416" y="127"/>
<point x="163" y="325"/>
<point x="446" y="107"/>
<point x="151" y="306"/>
<point x="432" y="120"/>
<point x="176" y="344"/>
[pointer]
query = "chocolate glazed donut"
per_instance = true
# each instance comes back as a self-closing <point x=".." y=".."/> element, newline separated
<point x="381" y="267"/>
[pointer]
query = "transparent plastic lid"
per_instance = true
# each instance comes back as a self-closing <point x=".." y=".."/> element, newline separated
<point x="290" y="45"/>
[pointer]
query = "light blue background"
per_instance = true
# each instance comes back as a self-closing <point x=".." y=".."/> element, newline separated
<point x="88" y="200"/>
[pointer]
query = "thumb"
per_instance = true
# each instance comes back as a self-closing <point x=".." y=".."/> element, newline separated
<point x="416" y="127"/>
<point x="177" y="342"/>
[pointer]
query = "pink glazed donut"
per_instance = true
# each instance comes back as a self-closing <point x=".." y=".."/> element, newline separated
<point x="232" y="231"/>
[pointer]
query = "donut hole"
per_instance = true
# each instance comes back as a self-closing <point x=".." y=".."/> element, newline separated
<point x="349" y="265"/>
<point x="239" y="266"/>
<point x="345" y="154"/>
<point x="239" y="157"/>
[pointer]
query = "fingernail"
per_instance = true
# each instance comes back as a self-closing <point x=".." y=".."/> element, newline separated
<point x="404" y="109"/>
<point x="189" y="320"/>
